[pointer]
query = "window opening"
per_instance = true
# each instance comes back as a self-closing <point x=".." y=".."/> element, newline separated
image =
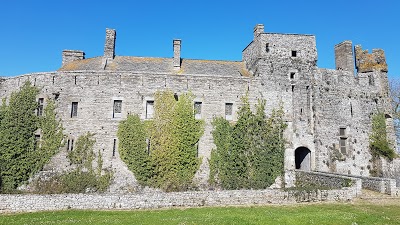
<point x="114" y="147"/>
<point x="294" y="53"/>
<point x="343" y="145"/>
<point x="37" y="141"/>
<point x="117" y="108"/>
<point x="149" y="109"/>
<point x="267" y="47"/>
<point x="228" y="111"/>
<point x="342" y="131"/>
<point x="292" y="74"/>
<point x="40" y="106"/>
<point x="148" y="145"/>
<point x="197" y="110"/>
<point x="74" y="109"/>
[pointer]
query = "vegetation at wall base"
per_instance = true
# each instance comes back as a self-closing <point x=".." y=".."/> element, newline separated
<point x="379" y="144"/>
<point x="250" y="153"/>
<point x="162" y="152"/>
<point x="21" y="155"/>
<point x="83" y="178"/>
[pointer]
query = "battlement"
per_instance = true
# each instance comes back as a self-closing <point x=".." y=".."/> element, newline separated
<point x="366" y="62"/>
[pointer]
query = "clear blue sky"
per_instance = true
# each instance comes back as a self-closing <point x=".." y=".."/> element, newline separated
<point x="34" y="33"/>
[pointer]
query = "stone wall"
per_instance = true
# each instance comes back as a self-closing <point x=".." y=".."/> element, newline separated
<point x="325" y="180"/>
<point x="155" y="200"/>
<point x="379" y="184"/>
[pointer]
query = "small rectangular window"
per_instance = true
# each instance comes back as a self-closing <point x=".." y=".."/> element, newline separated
<point x="40" y="107"/>
<point x="148" y="146"/>
<point x="114" y="147"/>
<point x="149" y="109"/>
<point x="70" y="144"/>
<point x="292" y="75"/>
<point x="342" y="144"/>
<point x="37" y="142"/>
<point x="342" y="131"/>
<point x="197" y="110"/>
<point x="74" y="109"/>
<point x="228" y="111"/>
<point x="294" y="53"/>
<point x="117" y="108"/>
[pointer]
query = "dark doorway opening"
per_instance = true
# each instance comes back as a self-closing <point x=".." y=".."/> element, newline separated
<point x="302" y="157"/>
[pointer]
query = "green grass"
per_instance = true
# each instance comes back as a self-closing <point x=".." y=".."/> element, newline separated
<point x="294" y="214"/>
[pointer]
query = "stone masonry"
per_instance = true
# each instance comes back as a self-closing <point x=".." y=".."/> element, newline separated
<point x="328" y="111"/>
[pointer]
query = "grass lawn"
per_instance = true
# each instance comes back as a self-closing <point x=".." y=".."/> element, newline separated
<point x="345" y="213"/>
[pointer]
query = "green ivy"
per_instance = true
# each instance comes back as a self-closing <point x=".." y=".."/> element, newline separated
<point x="84" y="178"/>
<point x="133" y="148"/>
<point x="250" y="153"/>
<point x="379" y="144"/>
<point x="21" y="155"/>
<point x="51" y="134"/>
<point x="170" y="161"/>
<point x="17" y="140"/>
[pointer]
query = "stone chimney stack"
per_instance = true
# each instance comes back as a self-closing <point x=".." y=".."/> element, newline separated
<point x="71" y="55"/>
<point x="109" y="46"/>
<point x="258" y="29"/>
<point x="177" y="54"/>
<point x="344" y="58"/>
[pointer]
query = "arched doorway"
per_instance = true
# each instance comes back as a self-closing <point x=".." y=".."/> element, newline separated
<point x="302" y="156"/>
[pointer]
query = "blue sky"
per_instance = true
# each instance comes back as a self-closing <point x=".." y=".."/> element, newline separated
<point x="34" y="33"/>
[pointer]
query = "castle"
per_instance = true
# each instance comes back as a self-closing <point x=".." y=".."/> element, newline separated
<point x="328" y="111"/>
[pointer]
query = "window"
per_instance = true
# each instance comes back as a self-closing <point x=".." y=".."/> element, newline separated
<point x="292" y="75"/>
<point x="114" y="147"/>
<point x="294" y="53"/>
<point x="342" y="131"/>
<point x="342" y="140"/>
<point x="70" y="144"/>
<point x="74" y="109"/>
<point x="342" y="144"/>
<point x="267" y="47"/>
<point x="148" y="146"/>
<point x="40" y="106"/>
<point x="37" y="141"/>
<point x="149" y="109"/>
<point x="197" y="110"/>
<point x="228" y="111"/>
<point x="117" y="108"/>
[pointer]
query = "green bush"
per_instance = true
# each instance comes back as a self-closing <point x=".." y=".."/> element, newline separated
<point x="250" y="153"/>
<point x="83" y="178"/>
<point x="170" y="161"/>
<point x="379" y="144"/>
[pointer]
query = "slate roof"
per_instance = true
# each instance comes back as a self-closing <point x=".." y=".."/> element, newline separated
<point x="160" y="65"/>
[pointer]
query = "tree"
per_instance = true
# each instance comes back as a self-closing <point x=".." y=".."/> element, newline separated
<point x="250" y="153"/>
<point x="17" y="141"/>
<point x="169" y="158"/>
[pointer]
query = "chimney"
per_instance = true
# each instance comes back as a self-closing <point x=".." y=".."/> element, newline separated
<point x="258" y="29"/>
<point x="177" y="54"/>
<point x="109" y="46"/>
<point x="71" y="55"/>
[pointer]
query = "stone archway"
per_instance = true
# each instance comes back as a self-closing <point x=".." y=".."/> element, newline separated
<point x="302" y="156"/>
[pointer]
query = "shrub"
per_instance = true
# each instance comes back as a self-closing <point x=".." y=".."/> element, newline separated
<point x="250" y="153"/>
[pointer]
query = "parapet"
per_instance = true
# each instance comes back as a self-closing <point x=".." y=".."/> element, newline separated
<point x="365" y="62"/>
<point x="71" y="55"/>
